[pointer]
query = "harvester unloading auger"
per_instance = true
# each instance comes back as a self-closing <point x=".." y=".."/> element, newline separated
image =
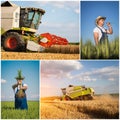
<point x="77" y="93"/>
<point x="18" y="28"/>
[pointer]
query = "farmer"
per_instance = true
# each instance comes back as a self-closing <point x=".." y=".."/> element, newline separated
<point x="20" y="96"/>
<point x="100" y="33"/>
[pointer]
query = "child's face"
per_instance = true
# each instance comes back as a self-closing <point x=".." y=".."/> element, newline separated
<point x="19" y="81"/>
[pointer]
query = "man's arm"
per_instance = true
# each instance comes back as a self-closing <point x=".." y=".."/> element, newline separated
<point x="14" y="86"/>
<point x="96" y="37"/>
<point x="24" y="88"/>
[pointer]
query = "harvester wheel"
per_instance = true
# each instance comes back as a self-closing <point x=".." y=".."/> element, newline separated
<point x="12" y="41"/>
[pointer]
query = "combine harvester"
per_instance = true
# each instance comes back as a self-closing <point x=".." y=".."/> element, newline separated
<point x="77" y="93"/>
<point x="19" y="26"/>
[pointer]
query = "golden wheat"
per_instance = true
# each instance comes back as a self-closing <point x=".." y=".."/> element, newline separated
<point x="101" y="107"/>
<point x="66" y="49"/>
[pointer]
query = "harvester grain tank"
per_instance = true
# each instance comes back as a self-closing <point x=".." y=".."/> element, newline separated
<point x="77" y="93"/>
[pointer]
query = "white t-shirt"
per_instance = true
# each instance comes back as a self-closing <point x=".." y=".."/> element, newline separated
<point x="96" y="29"/>
<point x="22" y="85"/>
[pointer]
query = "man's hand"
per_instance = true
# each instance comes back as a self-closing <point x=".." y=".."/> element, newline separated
<point x="108" y="24"/>
<point x="110" y="30"/>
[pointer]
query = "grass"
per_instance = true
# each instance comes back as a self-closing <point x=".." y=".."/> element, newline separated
<point x="9" y="112"/>
<point x="102" y="107"/>
<point x="105" y="51"/>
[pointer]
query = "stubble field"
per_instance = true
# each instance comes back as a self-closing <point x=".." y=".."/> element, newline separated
<point x="57" y="52"/>
<point x="102" y="107"/>
<point x="38" y="56"/>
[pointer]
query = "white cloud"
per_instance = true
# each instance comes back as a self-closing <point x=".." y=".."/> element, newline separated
<point x="77" y="11"/>
<point x="110" y="73"/>
<point x="67" y="5"/>
<point x="59" y="69"/>
<point x="63" y="65"/>
<point x="3" y="81"/>
<point x="83" y="77"/>
<point x="111" y="79"/>
<point x="69" y="76"/>
<point x="64" y="70"/>
<point x="108" y="70"/>
<point x="88" y="79"/>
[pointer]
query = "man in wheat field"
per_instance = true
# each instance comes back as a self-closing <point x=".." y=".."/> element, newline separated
<point x="100" y="33"/>
<point x="20" y="95"/>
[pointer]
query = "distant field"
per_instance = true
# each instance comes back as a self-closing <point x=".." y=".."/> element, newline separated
<point x="102" y="107"/>
<point x="8" y="111"/>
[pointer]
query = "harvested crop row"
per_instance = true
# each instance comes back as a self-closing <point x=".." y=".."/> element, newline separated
<point x="67" y="49"/>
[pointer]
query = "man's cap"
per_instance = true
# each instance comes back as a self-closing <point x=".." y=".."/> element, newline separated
<point x="19" y="77"/>
<point x="98" y="18"/>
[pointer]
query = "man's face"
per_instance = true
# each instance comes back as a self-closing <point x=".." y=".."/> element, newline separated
<point x="19" y="82"/>
<point x="101" y="22"/>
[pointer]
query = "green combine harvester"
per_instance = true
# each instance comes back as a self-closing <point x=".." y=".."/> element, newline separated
<point x="18" y="26"/>
<point x="19" y="29"/>
<point x="77" y="93"/>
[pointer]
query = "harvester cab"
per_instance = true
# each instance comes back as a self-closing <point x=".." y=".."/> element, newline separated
<point x="77" y="93"/>
<point x="13" y="16"/>
<point x="30" y="17"/>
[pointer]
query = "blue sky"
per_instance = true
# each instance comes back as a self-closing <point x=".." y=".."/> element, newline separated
<point x="90" y="10"/>
<point x="61" y="17"/>
<point x="103" y="76"/>
<point x="30" y="70"/>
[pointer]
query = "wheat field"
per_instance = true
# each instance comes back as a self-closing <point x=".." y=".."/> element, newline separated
<point x="102" y="107"/>
<point x="102" y="51"/>
<point x="9" y="112"/>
